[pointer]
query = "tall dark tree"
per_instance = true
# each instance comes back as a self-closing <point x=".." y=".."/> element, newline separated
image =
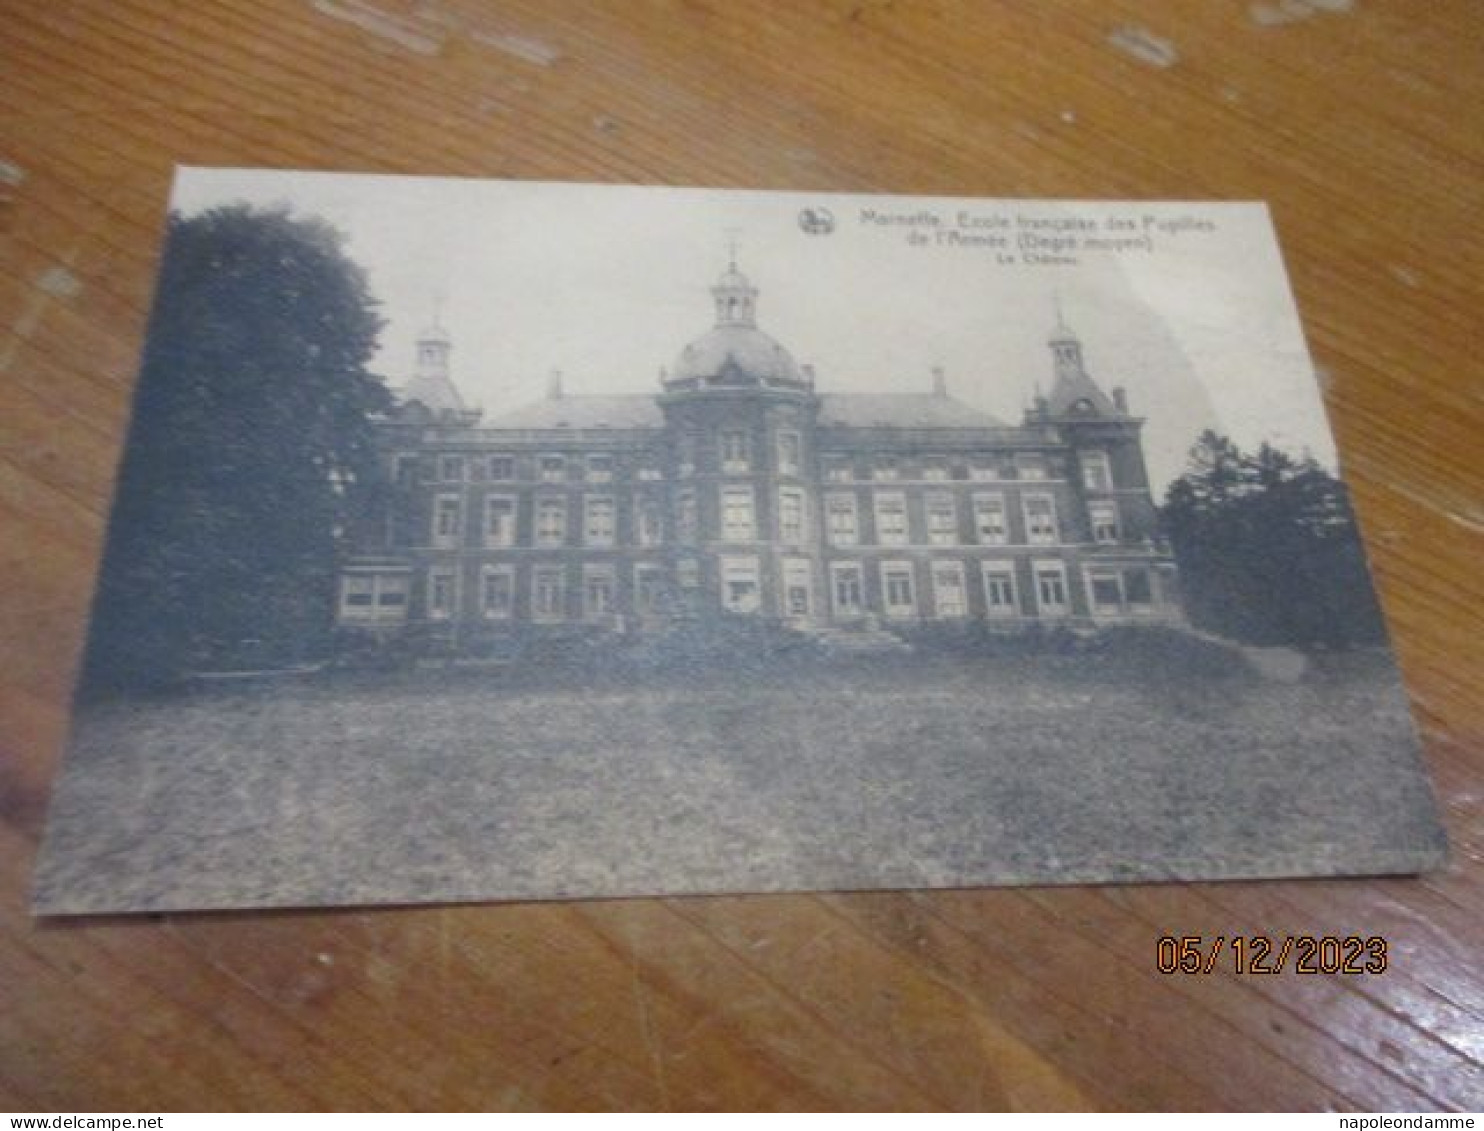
<point x="250" y="446"/>
<point x="1268" y="549"/>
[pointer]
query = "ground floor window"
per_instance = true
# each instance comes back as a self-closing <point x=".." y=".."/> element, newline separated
<point x="740" y="591"/>
<point x="440" y="594"/>
<point x="948" y="589"/>
<point x="548" y="593"/>
<point x="497" y="592"/>
<point x="796" y="588"/>
<point x="1105" y="591"/>
<point x="1113" y="590"/>
<point x="597" y="591"/>
<point x="1051" y="588"/>
<point x="999" y="589"/>
<point x="649" y="588"/>
<point x="846" y="588"/>
<point x="373" y="597"/>
<point x="897" y="589"/>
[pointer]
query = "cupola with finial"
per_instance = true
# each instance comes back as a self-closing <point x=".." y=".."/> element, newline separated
<point x="735" y="296"/>
<point x="1073" y="391"/>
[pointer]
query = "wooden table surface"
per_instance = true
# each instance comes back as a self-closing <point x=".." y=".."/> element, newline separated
<point x="1360" y="122"/>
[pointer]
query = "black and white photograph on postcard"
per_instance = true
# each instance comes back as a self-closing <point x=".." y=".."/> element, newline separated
<point x="483" y="540"/>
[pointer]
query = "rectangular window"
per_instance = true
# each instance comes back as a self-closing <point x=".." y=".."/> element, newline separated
<point x="999" y="589"/>
<point x="789" y="458"/>
<point x="1096" y="475"/>
<point x="1030" y="465"/>
<point x="404" y="470"/>
<point x="791" y="516"/>
<point x="935" y="470"/>
<point x="648" y="521"/>
<point x="891" y="519"/>
<point x="358" y="595"/>
<point x="796" y="587"/>
<point x="501" y="469"/>
<point x="735" y="451"/>
<point x="686" y="457"/>
<point x="687" y="519"/>
<point x="887" y="468"/>
<point x="499" y="520"/>
<point x="451" y="469"/>
<point x="553" y="469"/>
<point x="897" y="589"/>
<point x="649" y="588"/>
<point x="990" y="528"/>
<point x="548" y="593"/>
<point x="1040" y="519"/>
<point x="446" y="516"/>
<point x="551" y="522"/>
<point x="739" y="585"/>
<point x="942" y="519"/>
<point x="597" y="591"/>
<point x="440" y="594"/>
<point x="1103" y="515"/>
<point x="844" y="530"/>
<point x="599" y="523"/>
<point x="599" y="469"/>
<point x="738" y="523"/>
<point x="846" y="589"/>
<point x="497" y="592"/>
<point x="1051" y="588"/>
<point x="984" y="470"/>
<point x="1105" y="591"/>
<point x="949" y="596"/>
<point x="648" y="470"/>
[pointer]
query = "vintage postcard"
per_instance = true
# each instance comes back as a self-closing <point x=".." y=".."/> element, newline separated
<point x="490" y="541"/>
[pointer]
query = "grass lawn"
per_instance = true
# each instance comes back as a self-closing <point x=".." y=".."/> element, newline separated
<point x="915" y="771"/>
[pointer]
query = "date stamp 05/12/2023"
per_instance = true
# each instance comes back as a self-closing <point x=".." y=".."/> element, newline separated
<point x="1272" y="954"/>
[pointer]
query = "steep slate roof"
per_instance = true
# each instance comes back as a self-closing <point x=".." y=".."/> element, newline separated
<point x="851" y="410"/>
<point x="901" y="410"/>
<point x="1073" y="387"/>
<point x="585" y="410"/>
<point x="437" y="394"/>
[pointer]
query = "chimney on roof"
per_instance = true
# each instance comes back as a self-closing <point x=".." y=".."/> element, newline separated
<point x="554" y="385"/>
<point x="1120" y="399"/>
<point x="808" y="371"/>
<point x="940" y="382"/>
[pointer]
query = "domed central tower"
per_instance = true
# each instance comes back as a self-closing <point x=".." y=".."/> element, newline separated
<point x="735" y="351"/>
<point x="740" y="412"/>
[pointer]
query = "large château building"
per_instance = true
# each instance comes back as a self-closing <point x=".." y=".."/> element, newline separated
<point x="739" y="488"/>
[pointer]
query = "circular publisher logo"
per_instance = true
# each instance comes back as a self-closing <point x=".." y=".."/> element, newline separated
<point x="817" y="221"/>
